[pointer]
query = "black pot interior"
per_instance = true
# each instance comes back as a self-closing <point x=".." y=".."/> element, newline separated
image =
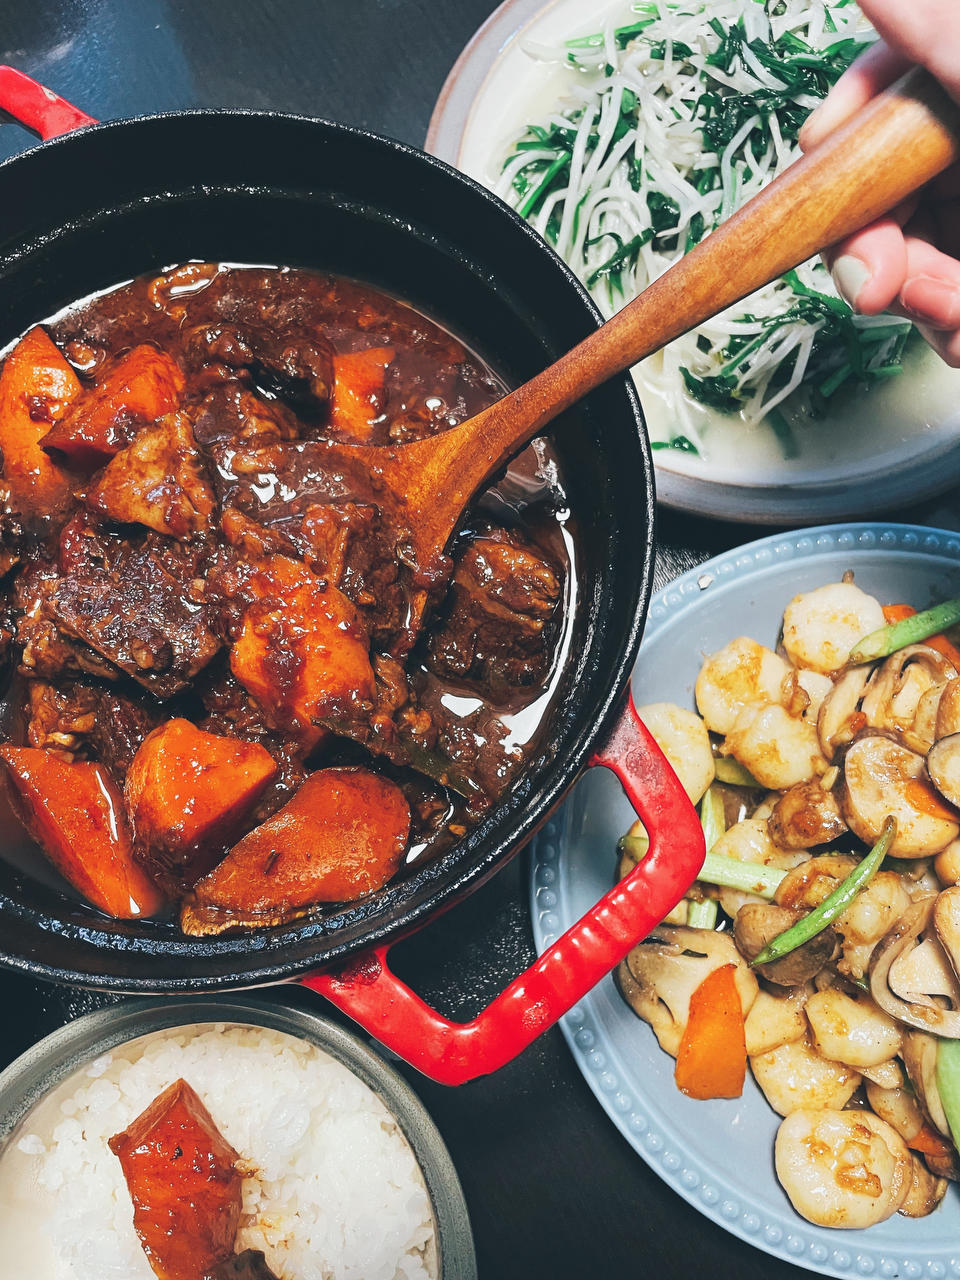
<point x="93" y="209"/>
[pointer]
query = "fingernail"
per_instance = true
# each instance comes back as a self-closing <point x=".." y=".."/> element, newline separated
<point x="935" y="302"/>
<point x="850" y="274"/>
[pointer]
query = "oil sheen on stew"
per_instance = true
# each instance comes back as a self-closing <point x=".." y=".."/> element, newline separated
<point x="211" y="705"/>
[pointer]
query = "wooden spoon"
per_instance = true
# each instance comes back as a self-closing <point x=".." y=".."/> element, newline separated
<point x="901" y="140"/>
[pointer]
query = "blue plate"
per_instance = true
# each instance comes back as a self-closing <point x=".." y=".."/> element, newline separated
<point x="719" y="1155"/>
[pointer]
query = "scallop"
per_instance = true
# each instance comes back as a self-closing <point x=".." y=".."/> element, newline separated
<point x="842" y="1168"/>
<point x="855" y="1032"/>
<point x="795" y="1076"/>
<point x="820" y="627"/>
<point x="779" y="750"/>
<point x="740" y="674"/>
<point x="683" y="739"/>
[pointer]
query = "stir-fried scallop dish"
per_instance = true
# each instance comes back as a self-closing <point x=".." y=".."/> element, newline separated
<point x="215" y="703"/>
<point x="821" y="944"/>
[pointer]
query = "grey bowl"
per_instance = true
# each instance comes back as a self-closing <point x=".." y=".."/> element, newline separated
<point x="35" y="1073"/>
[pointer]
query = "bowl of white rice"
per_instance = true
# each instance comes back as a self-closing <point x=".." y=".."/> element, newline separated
<point x="349" y="1179"/>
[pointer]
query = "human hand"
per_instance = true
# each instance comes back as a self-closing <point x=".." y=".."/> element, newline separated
<point x="907" y="263"/>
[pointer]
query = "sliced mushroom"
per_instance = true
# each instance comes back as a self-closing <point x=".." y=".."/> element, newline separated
<point x="806" y="886"/>
<point x="882" y="779"/>
<point x="758" y="923"/>
<point x="660" y="975"/>
<point x="921" y="1009"/>
<point x="805" y="816"/>
<point x="947" y="864"/>
<point x="840" y="718"/>
<point x="923" y="972"/>
<point x="946" y="922"/>
<point x="920" y="1059"/>
<point x="903" y="693"/>
<point x="943" y="765"/>
<point x="945" y="1166"/>
<point x="948" y="710"/>
<point x="926" y="1191"/>
<point x="898" y="1107"/>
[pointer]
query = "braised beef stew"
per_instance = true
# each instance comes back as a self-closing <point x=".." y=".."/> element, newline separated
<point x="211" y="703"/>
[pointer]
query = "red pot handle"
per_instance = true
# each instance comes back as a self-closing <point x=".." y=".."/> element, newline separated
<point x="37" y="107"/>
<point x="454" y="1052"/>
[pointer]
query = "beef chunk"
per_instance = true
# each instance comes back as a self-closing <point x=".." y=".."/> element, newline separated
<point x="11" y="540"/>
<point x="157" y="481"/>
<point x="249" y="1265"/>
<point x="497" y="631"/>
<point x="138" y="604"/>
<point x="61" y="719"/>
<point x="233" y="413"/>
<point x="296" y="365"/>
<point x="45" y="651"/>
<point x="120" y="727"/>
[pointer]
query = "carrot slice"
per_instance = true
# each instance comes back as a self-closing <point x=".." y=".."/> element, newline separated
<point x="712" y="1060"/>
<point x="188" y="792"/>
<point x="897" y="613"/>
<point x="75" y="813"/>
<point x="925" y="800"/>
<point x="143" y="385"/>
<point x="931" y="1143"/>
<point x="340" y="837"/>
<point x="37" y="388"/>
<point x="358" y="380"/>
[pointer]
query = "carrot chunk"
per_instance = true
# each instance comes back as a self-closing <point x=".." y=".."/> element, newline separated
<point x="931" y="1143"/>
<point x="358" y="380"/>
<point x="143" y="385"/>
<point x="302" y="651"/>
<point x="188" y="792"/>
<point x="157" y="481"/>
<point x="712" y="1060"/>
<point x="75" y="813"/>
<point x="925" y="800"/>
<point x="182" y="1177"/>
<point x="340" y="837"/>
<point x="37" y="388"/>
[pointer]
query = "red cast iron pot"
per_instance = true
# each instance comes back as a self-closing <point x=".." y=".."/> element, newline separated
<point x="108" y="201"/>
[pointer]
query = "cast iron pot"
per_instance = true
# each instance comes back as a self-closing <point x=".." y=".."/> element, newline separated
<point x="111" y="201"/>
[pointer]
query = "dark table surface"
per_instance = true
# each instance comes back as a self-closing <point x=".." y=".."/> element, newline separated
<point x="553" y="1189"/>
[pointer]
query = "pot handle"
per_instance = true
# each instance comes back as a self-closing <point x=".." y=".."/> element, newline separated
<point x="455" y="1052"/>
<point x="37" y="108"/>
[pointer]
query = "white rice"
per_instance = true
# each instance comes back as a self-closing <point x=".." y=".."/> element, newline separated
<point x="337" y="1194"/>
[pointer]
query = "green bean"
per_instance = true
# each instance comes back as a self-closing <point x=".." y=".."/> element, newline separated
<point x="833" y="906"/>
<point x="912" y="630"/>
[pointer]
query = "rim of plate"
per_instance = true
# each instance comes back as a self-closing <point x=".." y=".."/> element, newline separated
<point x="707" y="1188"/>
<point x="862" y="490"/>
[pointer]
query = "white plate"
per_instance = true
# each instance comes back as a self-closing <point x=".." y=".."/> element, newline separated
<point x="719" y="1155"/>
<point x="844" y="470"/>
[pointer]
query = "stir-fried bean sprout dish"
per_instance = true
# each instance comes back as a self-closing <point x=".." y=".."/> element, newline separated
<point x="672" y="118"/>
<point x="821" y="944"/>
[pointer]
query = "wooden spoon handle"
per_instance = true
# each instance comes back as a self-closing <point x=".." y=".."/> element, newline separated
<point x="902" y="139"/>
